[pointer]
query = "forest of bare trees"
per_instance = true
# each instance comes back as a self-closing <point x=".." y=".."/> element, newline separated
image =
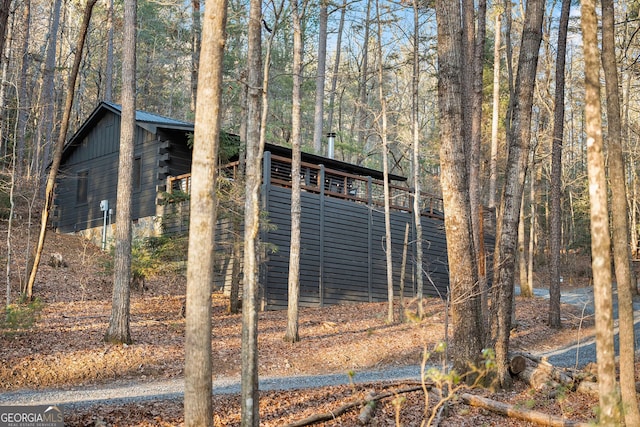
<point x="491" y="104"/>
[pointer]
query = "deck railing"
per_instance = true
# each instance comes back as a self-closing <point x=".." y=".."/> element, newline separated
<point x="332" y="183"/>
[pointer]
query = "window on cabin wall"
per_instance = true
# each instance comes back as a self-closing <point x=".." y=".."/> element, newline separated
<point x="82" y="190"/>
<point x="137" y="173"/>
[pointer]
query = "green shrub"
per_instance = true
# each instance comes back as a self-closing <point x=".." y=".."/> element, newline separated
<point x="21" y="316"/>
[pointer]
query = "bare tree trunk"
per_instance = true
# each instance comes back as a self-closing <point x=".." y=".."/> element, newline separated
<point x="119" y="330"/>
<point x="5" y="10"/>
<point x="4" y="149"/>
<point x="195" y="50"/>
<point x="475" y="56"/>
<point x="23" y="95"/>
<point x="495" y="117"/>
<point x="556" y="169"/>
<point x="249" y="404"/>
<point x="619" y="221"/>
<point x="362" y="84"/>
<point x="336" y="67"/>
<point x="108" y="82"/>
<point x="234" y="294"/>
<point x="318" y="116"/>
<point x="507" y="224"/>
<point x="198" y="409"/>
<point x="12" y="187"/>
<point x="55" y="164"/>
<point x="522" y="254"/>
<point x="385" y="170"/>
<point x="415" y="170"/>
<point x="600" y="241"/>
<point x="44" y="136"/>
<point x="463" y="274"/>
<point x="533" y="224"/>
<point x="291" y="334"/>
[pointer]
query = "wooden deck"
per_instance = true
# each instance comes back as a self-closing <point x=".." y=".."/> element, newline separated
<point x="337" y="184"/>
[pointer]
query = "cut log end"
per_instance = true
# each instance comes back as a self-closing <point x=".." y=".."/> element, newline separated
<point x="517" y="364"/>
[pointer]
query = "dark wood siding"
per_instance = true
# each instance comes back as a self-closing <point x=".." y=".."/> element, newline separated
<point x="343" y="251"/>
<point x="98" y="153"/>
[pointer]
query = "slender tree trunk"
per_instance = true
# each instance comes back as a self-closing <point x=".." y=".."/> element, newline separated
<point x="556" y="169"/>
<point x="5" y="10"/>
<point x="119" y="330"/>
<point x="522" y="254"/>
<point x="362" y="84"/>
<point x="463" y="274"/>
<point x="336" y="67"/>
<point x="385" y="170"/>
<point x="533" y="224"/>
<point x="318" y="116"/>
<point x="108" y="82"/>
<point x="234" y="294"/>
<point x="600" y="241"/>
<point x="291" y="334"/>
<point x="507" y="224"/>
<point x="55" y="164"/>
<point x="475" y="55"/>
<point x="495" y="117"/>
<point x="44" y="136"/>
<point x="195" y="49"/>
<point x="619" y="221"/>
<point x="4" y="149"/>
<point x="23" y="94"/>
<point x="415" y="170"/>
<point x="198" y="409"/>
<point x="249" y="404"/>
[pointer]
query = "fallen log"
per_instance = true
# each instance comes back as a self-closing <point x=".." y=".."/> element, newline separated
<point x="328" y="416"/>
<point x="511" y="411"/>
<point x="546" y="375"/>
<point x="537" y="379"/>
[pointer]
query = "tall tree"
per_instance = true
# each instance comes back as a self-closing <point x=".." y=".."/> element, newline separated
<point x="336" y="67"/>
<point x="318" y="117"/>
<point x="473" y="46"/>
<point x="23" y="93"/>
<point x="249" y="383"/>
<point x="385" y="167"/>
<point x="518" y="154"/>
<point x="495" y="116"/>
<point x="198" y="409"/>
<point x="363" y="78"/>
<point x="415" y="170"/>
<point x="619" y="220"/>
<point x="599" y="215"/>
<point x="556" y="168"/>
<point x="119" y="330"/>
<point x="291" y="334"/>
<point x="44" y="131"/>
<point x="57" y="157"/>
<point x="463" y="274"/>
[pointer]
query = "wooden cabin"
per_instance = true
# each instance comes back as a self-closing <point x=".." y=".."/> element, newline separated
<point x="342" y="237"/>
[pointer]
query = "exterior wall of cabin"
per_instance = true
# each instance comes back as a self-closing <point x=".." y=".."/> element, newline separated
<point x="156" y="156"/>
<point x="342" y="243"/>
<point x="342" y="252"/>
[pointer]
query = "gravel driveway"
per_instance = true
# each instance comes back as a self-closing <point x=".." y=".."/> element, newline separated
<point x="575" y="355"/>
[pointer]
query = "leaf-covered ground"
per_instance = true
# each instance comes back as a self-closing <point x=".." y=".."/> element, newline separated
<point x="64" y="348"/>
